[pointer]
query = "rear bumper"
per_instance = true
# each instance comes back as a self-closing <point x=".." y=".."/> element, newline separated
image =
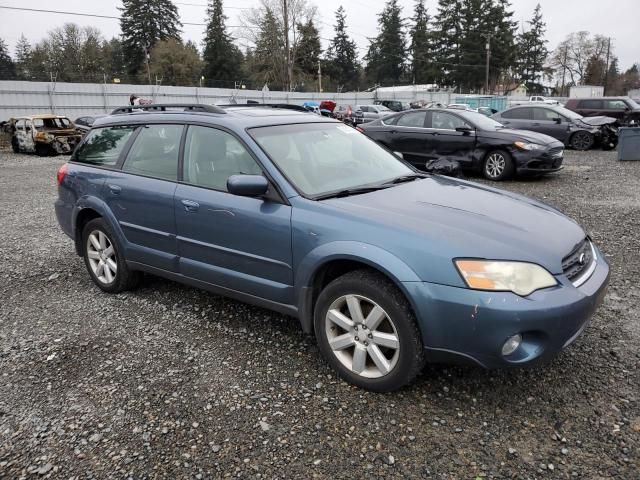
<point x="460" y="325"/>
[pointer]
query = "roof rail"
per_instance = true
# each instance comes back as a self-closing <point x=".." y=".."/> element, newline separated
<point x="163" y="107"/>
<point x="284" y="106"/>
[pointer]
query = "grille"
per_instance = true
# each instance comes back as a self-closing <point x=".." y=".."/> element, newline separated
<point x="578" y="261"/>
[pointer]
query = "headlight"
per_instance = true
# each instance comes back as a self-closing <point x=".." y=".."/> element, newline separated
<point x="517" y="277"/>
<point x="529" y="146"/>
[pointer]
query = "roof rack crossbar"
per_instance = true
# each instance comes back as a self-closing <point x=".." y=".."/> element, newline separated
<point x="284" y="106"/>
<point x="163" y="107"/>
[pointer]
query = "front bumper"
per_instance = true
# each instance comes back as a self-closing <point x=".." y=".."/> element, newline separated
<point x="539" y="161"/>
<point x="461" y="325"/>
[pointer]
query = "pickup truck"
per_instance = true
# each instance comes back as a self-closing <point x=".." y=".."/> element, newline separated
<point x="535" y="99"/>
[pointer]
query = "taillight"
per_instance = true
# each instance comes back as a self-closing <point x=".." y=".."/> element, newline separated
<point x="62" y="171"/>
<point x="361" y="130"/>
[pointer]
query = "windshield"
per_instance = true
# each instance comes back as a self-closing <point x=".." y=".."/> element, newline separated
<point x="383" y="108"/>
<point x="319" y="158"/>
<point x="479" y="120"/>
<point x="633" y="104"/>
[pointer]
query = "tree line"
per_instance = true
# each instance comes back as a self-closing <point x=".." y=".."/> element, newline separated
<point x="283" y="50"/>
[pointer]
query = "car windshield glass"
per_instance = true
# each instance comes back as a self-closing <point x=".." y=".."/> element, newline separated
<point x="383" y="108"/>
<point x="480" y="121"/>
<point x="319" y="158"/>
<point x="633" y="104"/>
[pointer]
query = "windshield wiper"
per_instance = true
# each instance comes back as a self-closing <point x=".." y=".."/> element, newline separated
<point x="406" y="178"/>
<point x="351" y="191"/>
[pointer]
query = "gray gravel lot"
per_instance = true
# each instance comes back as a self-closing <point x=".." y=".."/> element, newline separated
<point x="172" y="382"/>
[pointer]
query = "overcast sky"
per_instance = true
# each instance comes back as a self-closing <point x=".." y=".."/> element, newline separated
<point x="618" y="19"/>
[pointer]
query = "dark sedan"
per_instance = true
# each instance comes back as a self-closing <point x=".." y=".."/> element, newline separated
<point x="574" y="130"/>
<point x="84" y="124"/>
<point x="472" y="139"/>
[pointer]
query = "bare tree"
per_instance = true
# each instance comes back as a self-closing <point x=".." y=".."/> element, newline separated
<point x="573" y="55"/>
<point x="288" y="14"/>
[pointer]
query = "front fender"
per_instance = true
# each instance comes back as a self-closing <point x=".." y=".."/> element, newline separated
<point x="375" y="257"/>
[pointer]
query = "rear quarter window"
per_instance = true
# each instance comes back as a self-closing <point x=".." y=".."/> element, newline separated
<point x="103" y="146"/>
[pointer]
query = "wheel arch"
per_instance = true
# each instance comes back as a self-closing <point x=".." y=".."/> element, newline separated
<point x="88" y="209"/>
<point x="318" y="269"/>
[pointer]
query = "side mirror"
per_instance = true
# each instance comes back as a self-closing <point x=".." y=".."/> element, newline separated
<point x="464" y="129"/>
<point x="558" y="120"/>
<point x="247" y="185"/>
<point x="399" y="154"/>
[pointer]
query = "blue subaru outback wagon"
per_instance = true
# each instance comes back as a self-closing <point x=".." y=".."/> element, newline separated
<point x="387" y="266"/>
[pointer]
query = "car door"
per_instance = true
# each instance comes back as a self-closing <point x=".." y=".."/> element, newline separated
<point x="550" y="122"/>
<point x="447" y="142"/>
<point x="409" y="136"/>
<point x="140" y="195"/>
<point x="239" y="243"/>
<point x="23" y="136"/>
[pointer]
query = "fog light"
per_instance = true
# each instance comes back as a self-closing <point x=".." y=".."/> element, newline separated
<point x="511" y="345"/>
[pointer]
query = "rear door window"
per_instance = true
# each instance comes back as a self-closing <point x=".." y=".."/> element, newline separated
<point x="518" y="114"/>
<point x="413" y="119"/>
<point x="155" y="152"/>
<point x="103" y="146"/>
<point x="590" y="104"/>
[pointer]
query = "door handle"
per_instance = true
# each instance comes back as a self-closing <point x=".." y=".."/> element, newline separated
<point x="535" y="124"/>
<point x="394" y="131"/>
<point x="190" y="205"/>
<point x="115" y="189"/>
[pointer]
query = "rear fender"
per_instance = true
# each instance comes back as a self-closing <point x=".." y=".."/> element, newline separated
<point x="101" y="208"/>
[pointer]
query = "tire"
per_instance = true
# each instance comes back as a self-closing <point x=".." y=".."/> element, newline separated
<point x="42" y="150"/>
<point x="582" y="141"/>
<point x="107" y="278"/>
<point x="15" y="145"/>
<point x="394" y="336"/>
<point x="498" y="165"/>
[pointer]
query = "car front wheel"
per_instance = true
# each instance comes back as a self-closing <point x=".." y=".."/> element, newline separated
<point x="582" y="141"/>
<point x="367" y="332"/>
<point x="103" y="260"/>
<point x="498" y="166"/>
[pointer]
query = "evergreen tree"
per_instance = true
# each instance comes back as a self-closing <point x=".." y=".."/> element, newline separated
<point x="7" y="67"/>
<point x="387" y="53"/>
<point x="309" y="49"/>
<point x="532" y="52"/>
<point x="23" y="56"/>
<point x="114" y="62"/>
<point x="269" y="65"/>
<point x="422" y="67"/>
<point x="503" y="41"/>
<point x="341" y="61"/>
<point x="446" y="44"/>
<point x="144" y="23"/>
<point x="475" y="26"/>
<point x="222" y="59"/>
<point x="175" y="63"/>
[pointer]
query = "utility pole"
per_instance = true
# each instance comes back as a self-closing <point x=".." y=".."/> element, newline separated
<point x="606" y="71"/>
<point x="486" y="82"/>
<point x="319" y="77"/>
<point x="564" y="70"/>
<point x="286" y="43"/>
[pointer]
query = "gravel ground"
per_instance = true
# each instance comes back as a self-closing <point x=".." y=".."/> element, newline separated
<point x="172" y="382"/>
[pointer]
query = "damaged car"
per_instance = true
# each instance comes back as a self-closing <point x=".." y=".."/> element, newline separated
<point x="43" y="134"/>
<point x="571" y="128"/>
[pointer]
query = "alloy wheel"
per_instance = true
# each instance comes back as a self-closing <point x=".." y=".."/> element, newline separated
<point x="102" y="257"/>
<point x="495" y="165"/>
<point x="582" y="141"/>
<point x="362" y="336"/>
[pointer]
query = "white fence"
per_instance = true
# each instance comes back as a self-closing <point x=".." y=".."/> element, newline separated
<point x="78" y="99"/>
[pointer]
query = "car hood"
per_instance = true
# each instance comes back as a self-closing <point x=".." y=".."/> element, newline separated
<point x="519" y="135"/>
<point x="457" y="218"/>
<point x="598" y="121"/>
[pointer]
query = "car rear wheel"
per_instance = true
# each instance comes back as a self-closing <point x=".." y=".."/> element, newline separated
<point x="582" y="141"/>
<point x="498" y="166"/>
<point x="367" y="332"/>
<point x="43" y="150"/>
<point x="104" y="262"/>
